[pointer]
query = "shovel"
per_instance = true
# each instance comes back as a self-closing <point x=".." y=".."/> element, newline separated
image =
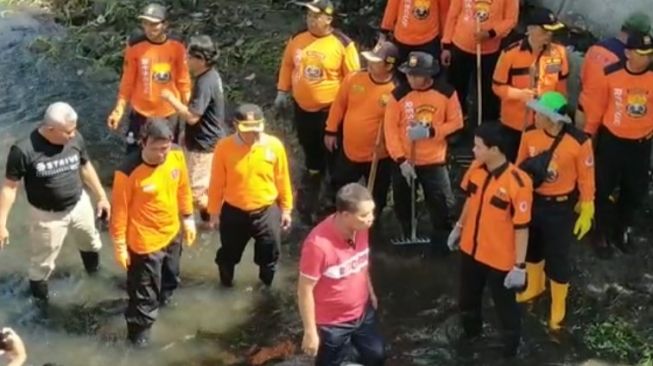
<point x="413" y="239"/>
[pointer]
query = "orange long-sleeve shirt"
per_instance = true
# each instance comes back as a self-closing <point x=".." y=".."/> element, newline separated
<point x="149" y="68"/>
<point x="359" y="107"/>
<point x="250" y="177"/>
<point x="415" y="22"/>
<point x="572" y="164"/>
<point x="314" y="67"/>
<point x="513" y="70"/>
<point x="597" y="57"/>
<point x="498" y="17"/>
<point x="437" y="107"/>
<point x="621" y="101"/>
<point x="148" y="200"/>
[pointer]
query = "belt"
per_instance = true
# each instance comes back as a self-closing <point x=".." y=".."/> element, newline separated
<point x="640" y="140"/>
<point x="555" y="198"/>
<point x="253" y="212"/>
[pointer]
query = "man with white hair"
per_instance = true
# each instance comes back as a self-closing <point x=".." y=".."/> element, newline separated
<point x="54" y="166"/>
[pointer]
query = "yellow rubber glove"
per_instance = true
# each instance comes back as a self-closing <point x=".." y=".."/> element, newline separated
<point x="122" y="254"/>
<point x="116" y="115"/>
<point x="190" y="231"/>
<point x="584" y="222"/>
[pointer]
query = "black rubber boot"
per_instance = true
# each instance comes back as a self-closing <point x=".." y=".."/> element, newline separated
<point x="39" y="290"/>
<point x="138" y="335"/>
<point x="266" y="274"/>
<point x="91" y="261"/>
<point x="226" y="275"/>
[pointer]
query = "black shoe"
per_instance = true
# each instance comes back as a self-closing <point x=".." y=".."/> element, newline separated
<point x="138" y="336"/>
<point x="39" y="290"/>
<point x="226" y="275"/>
<point x="266" y="274"/>
<point x="91" y="261"/>
<point x="205" y="215"/>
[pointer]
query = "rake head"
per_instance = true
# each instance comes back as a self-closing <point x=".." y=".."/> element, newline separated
<point x="411" y="241"/>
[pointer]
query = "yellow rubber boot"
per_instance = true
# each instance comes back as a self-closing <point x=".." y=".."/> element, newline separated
<point x="558" y="304"/>
<point x="536" y="282"/>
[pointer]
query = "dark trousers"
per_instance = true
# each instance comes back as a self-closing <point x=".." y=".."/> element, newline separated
<point x="310" y="133"/>
<point x="347" y="171"/>
<point x="621" y="164"/>
<point x="551" y="235"/>
<point x="463" y="70"/>
<point x="438" y="196"/>
<point x="474" y="276"/>
<point x="151" y="279"/>
<point x="512" y="139"/>
<point x="137" y="121"/>
<point x="363" y="334"/>
<point x="238" y="226"/>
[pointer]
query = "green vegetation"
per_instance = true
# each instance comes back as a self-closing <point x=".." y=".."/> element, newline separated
<point x="617" y="339"/>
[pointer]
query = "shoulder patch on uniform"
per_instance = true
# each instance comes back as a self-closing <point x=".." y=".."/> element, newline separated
<point x="444" y="88"/>
<point x="517" y="177"/>
<point x="136" y="37"/>
<point x="342" y="37"/>
<point x="131" y="162"/>
<point x="401" y="91"/>
<point x="612" y="68"/>
<point x="577" y="134"/>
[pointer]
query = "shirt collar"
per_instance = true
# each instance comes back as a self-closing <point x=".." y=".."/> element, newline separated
<point x="496" y="173"/>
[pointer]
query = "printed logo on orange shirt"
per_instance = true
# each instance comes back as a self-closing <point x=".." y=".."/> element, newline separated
<point x="383" y="101"/>
<point x="422" y="9"/>
<point x="424" y="114"/>
<point x="357" y="89"/>
<point x="482" y="10"/>
<point x="636" y="103"/>
<point x="161" y="73"/>
<point x="313" y="69"/>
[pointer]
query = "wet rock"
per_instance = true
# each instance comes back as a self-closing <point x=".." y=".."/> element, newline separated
<point x="40" y="45"/>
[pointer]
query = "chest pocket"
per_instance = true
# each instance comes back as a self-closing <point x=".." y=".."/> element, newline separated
<point x="499" y="203"/>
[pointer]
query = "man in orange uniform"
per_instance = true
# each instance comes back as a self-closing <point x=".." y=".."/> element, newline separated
<point x="607" y="52"/>
<point x="150" y="193"/>
<point x="418" y="119"/>
<point x="497" y="18"/>
<point x="493" y="236"/>
<point x="250" y="195"/>
<point x="621" y="117"/>
<point x="526" y="69"/>
<point x="154" y="61"/>
<point x="314" y="64"/>
<point x="416" y="25"/>
<point x="359" y="109"/>
<point x="560" y="159"/>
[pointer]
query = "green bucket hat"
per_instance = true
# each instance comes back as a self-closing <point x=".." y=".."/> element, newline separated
<point x="552" y="105"/>
<point x="637" y="22"/>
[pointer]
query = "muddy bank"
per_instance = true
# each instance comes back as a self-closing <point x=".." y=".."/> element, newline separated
<point x="609" y="317"/>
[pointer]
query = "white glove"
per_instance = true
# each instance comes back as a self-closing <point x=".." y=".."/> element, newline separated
<point x="190" y="231"/>
<point x="453" y="241"/>
<point x="418" y="132"/>
<point x="408" y="171"/>
<point x="515" y="279"/>
<point x="282" y="100"/>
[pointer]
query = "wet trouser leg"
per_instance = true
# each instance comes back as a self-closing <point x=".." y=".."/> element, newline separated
<point x="347" y="171"/>
<point x="137" y="121"/>
<point x="473" y="278"/>
<point x="170" y="270"/>
<point x="440" y="201"/>
<point x="266" y="230"/>
<point x="401" y="198"/>
<point x="491" y="102"/>
<point x="145" y="282"/>
<point x="235" y="232"/>
<point x="460" y="73"/>
<point x="363" y="334"/>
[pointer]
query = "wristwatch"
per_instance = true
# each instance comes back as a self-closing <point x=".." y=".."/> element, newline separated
<point x="521" y="265"/>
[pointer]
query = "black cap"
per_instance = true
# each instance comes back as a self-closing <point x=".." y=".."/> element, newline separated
<point x="383" y="51"/>
<point x="157" y="129"/>
<point x="155" y="13"/>
<point x="544" y="18"/>
<point x="249" y="118"/>
<point x="318" y="6"/>
<point x="640" y="43"/>
<point x="420" y="63"/>
<point x="202" y="46"/>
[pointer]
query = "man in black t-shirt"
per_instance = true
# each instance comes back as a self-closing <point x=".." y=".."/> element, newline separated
<point x="204" y="116"/>
<point x="54" y="166"/>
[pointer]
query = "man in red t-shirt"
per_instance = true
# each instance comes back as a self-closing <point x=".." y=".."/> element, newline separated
<point x="336" y="298"/>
